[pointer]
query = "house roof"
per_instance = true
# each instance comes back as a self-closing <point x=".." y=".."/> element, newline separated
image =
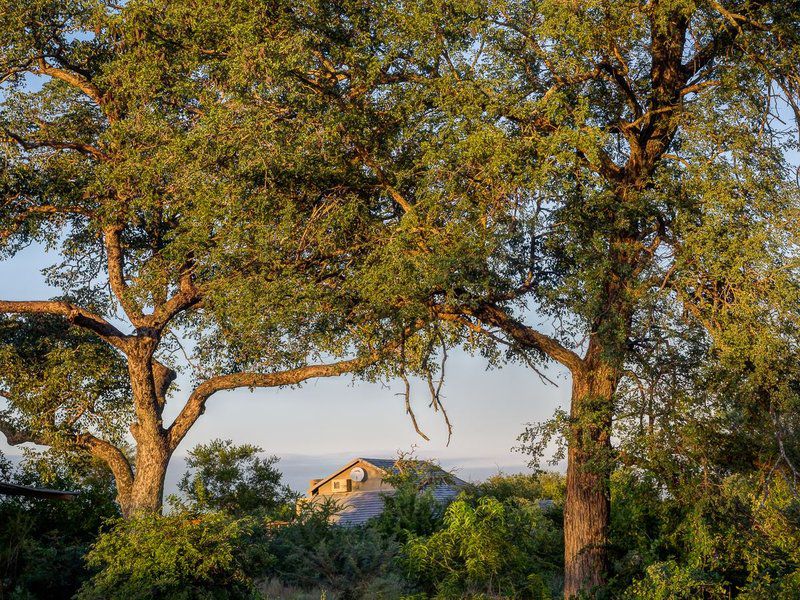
<point x="11" y="489"/>
<point x="387" y="465"/>
<point x="359" y="507"/>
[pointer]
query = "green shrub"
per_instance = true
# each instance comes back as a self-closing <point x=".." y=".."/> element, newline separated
<point x="409" y="512"/>
<point x="507" y="549"/>
<point x="527" y="486"/>
<point x="741" y="538"/>
<point x="177" y="557"/>
<point x="348" y="562"/>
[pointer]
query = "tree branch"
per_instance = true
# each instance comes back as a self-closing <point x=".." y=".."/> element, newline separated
<point x="732" y="26"/>
<point x="15" y="435"/>
<point x="195" y="405"/>
<point x="74" y="79"/>
<point x="97" y="447"/>
<point x="188" y="295"/>
<point x="19" y="220"/>
<point x="113" y="457"/>
<point x="80" y="317"/>
<point x="116" y="273"/>
<point x="81" y="147"/>
<point x="526" y="336"/>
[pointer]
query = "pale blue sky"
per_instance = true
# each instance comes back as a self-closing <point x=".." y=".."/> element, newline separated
<point x="324" y="423"/>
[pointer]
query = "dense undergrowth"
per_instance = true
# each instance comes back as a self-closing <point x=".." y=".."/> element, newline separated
<point x="736" y="537"/>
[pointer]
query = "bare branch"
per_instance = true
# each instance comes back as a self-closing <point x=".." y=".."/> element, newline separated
<point x="410" y="411"/>
<point x="188" y="295"/>
<point x="436" y="393"/>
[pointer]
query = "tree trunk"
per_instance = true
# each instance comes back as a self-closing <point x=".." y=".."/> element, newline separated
<point x="587" y="511"/>
<point x="152" y="445"/>
<point x="147" y="491"/>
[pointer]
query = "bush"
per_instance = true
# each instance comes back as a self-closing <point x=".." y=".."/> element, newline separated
<point x="502" y="549"/>
<point x="741" y="538"/>
<point x="409" y="512"/>
<point x="347" y="562"/>
<point x="177" y="557"/>
<point x="526" y="486"/>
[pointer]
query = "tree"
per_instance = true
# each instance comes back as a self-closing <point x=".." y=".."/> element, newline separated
<point x="232" y="478"/>
<point x="574" y="161"/>
<point x="485" y="166"/>
<point x="172" y="253"/>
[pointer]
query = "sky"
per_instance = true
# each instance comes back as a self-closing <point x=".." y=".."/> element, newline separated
<point x="326" y="422"/>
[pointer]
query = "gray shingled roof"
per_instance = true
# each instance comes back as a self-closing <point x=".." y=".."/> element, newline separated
<point x="387" y="464"/>
<point x="360" y="506"/>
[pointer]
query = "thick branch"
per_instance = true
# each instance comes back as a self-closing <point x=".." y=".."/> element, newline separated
<point x="188" y="295"/>
<point x="76" y="315"/>
<point x="98" y="448"/>
<point x="113" y="457"/>
<point x="195" y="405"/>
<point x="15" y="435"/>
<point x="81" y="147"/>
<point x="526" y="336"/>
<point x="163" y="377"/>
<point x="73" y="79"/>
<point x="116" y="274"/>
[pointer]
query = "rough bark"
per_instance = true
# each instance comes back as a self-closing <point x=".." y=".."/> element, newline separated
<point x="587" y="511"/>
<point x="147" y="489"/>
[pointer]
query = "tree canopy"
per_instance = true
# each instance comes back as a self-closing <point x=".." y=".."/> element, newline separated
<point x="602" y="185"/>
<point x="179" y="245"/>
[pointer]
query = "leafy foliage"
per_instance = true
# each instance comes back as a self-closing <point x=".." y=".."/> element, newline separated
<point x="738" y="539"/>
<point x="63" y="382"/>
<point x="232" y="478"/>
<point x="489" y="547"/>
<point x="176" y="556"/>
<point x="350" y="562"/>
<point x="412" y="509"/>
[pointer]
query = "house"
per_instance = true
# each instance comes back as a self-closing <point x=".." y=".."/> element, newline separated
<point x="359" y="486"/>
